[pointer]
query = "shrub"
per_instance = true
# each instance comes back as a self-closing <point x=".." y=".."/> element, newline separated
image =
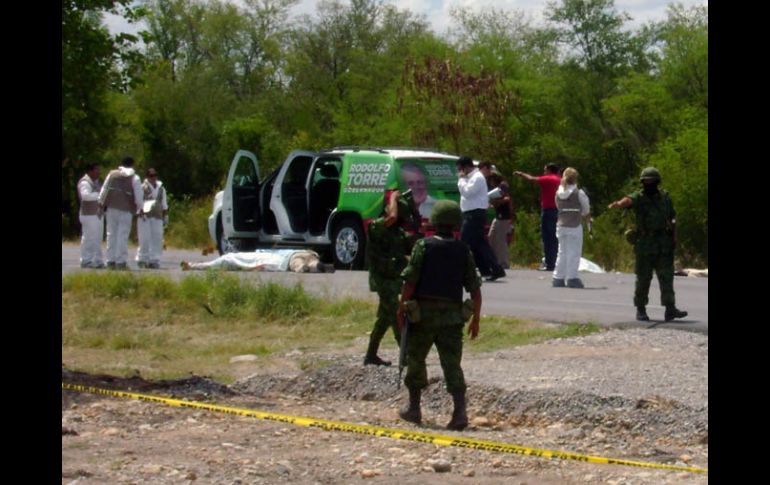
<point x="188" y="222"/>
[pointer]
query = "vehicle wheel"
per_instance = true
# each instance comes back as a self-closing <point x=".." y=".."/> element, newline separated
<point x="348" y="245"/>
<point x="225" y="245"/>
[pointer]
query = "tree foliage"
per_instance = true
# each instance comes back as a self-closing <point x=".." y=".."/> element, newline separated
<point x="91" y="70"/>
<point x="581" y="88"/>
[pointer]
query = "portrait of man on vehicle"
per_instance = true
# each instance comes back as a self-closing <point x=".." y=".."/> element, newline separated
<point x="414" y="178"/>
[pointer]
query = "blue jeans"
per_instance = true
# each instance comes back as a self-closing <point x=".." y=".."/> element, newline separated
<point x="548" y="218"/>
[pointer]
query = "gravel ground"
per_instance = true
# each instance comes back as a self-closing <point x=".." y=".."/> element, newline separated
<point x="633" y="394"/>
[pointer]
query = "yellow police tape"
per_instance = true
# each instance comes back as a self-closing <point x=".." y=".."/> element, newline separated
<point x="370" y="430"/>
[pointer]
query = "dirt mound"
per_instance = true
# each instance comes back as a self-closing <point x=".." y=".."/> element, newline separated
<point x="655" y="417"/>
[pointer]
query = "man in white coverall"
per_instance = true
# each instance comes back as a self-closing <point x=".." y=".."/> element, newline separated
<point x="91" y="222"/>
<point x="149" y="227"/>
<point x="122" y="198"/>
<point x="295" y="260"/>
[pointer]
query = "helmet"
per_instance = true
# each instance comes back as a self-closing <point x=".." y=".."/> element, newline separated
<point x="650" y="174"/>
<point x="446" y="212"/>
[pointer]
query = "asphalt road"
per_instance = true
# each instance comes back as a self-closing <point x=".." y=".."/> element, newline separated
<point x="606" y="300"/>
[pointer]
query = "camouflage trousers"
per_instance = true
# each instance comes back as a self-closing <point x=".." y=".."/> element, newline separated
<point x="663" y="265"/>
<point x="444" y="328"/>
<point x="388" y="291"/>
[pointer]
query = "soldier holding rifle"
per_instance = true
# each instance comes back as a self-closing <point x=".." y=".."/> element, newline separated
<point x="439" y="268"/>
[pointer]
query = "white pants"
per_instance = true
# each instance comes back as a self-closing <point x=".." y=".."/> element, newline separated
<point x="91" y="241"/>
<point x="498" y="239"/>
<point x="570" y="250"/>
<point x="150" y="233"/>
<point x="118" y="229"/>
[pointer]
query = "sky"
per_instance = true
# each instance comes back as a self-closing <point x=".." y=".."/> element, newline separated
<point x="437" y="11"/>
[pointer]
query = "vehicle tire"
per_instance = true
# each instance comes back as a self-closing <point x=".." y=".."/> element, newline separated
<point x="348" y="245"/>
<point x="225" y="245"/>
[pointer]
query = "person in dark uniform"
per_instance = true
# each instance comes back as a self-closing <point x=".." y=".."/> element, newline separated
<point x="438" y="270"/>
<point x="387" y="249"/>
<point x="654" y="242"/>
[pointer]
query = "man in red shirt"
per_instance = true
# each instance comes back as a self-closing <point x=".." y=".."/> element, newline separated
<point x="549" y="184"/>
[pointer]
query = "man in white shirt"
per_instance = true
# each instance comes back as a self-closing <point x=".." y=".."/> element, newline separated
<point x="149" y="227"/>
<point x="122" y="198"/>
<point x="474" y="200"/>
<point x="91" y="222"/>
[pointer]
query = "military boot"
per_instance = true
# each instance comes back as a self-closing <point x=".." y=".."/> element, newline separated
<point x="459" y="417"/>
<point x="641" y="314"/>
<point x="411" y="412"/>
<point x="371" y="354"/>
<point x="672" y="312"/>
<point x="375" y="360"/>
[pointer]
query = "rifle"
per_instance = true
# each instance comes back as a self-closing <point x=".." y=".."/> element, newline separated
<point x="413" y="220"/>
<point x="402" y="350"/>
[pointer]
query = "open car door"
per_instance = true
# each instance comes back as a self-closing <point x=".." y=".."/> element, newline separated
<point x="240" y="201"/>
<point x="289" y="198"/>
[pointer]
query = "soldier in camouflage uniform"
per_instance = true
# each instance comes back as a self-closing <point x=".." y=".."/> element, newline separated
<point x="438" y="270"/>
<point x="654" y="242"/>
<point x="387" y="249"/>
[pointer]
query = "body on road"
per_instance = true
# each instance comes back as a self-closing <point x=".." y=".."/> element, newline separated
<point x="604" y="301"/>
<point x="295" y="260"/>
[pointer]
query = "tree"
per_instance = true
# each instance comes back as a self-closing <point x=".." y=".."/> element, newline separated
<point x="685" y="64"/>
<point x="89" y="73"/>
<point x="470" y="110"/>
<point x="343" y="69"/>
<point x="598" y="52"/>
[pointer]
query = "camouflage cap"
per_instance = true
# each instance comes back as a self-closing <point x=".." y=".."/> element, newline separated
<point x="651" y="174"/>
<point x="446" y="212"/>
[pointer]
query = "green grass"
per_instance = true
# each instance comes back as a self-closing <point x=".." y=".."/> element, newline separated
<point x="117" y="323"/>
